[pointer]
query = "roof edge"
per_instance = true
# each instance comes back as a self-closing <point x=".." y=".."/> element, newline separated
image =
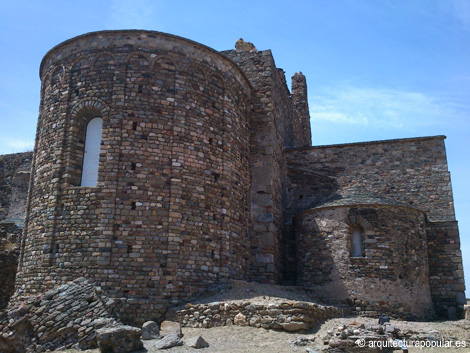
<point x="358" y="204"/>
<point x="374" y="142"/>
<point x="137" y="31"/>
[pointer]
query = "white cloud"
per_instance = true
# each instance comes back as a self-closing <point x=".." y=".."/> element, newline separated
<point x="379" y="107"/>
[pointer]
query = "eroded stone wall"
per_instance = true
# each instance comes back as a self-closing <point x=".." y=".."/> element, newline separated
<point x="277" y="121"/>
<point x="446" y="269"/>
<point x="168" y="217"/>
<point x="10" y="236"/>
<point x="392" y="274"/>
<point x="14" y="181"/>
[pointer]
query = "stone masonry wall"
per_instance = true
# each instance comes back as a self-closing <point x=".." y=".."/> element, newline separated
<point x="275" y="123"/>
<point x="14" y="182"/>
<point x="408" y="172"/>
<point x="446" y="275"/>
<point x="391" y="276"/>
<point x="411" y="171"/>
<point x="168" y="217"/>
<point x="10" y="236"/>
<point x="300" y="101"/>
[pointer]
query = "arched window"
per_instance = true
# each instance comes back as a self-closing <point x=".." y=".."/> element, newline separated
<point x="356" y="243"/>
<point x="91" y="156"/>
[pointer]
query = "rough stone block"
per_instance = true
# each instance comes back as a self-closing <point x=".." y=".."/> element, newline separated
<point x="119" y="339"/>
<point x="150" y="330"/>
<point x="170" y="328"/>
<point x="197" y="342"/>
<point x="169" y="341"/>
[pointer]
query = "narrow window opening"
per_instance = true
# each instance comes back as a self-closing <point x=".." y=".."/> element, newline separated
<point x="133" y="205"/>
<point x="134" y="126"/>
<point x="133" y="166"/>
<point x="356" y="243"/>
<point x="91" y="156"/>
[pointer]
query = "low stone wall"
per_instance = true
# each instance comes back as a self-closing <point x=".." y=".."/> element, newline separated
<point x="289" y="316"/>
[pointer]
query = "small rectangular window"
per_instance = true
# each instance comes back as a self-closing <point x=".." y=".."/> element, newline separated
<point x="356" y="243"/>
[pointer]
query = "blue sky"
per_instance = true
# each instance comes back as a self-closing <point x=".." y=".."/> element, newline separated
<point x="375" y="69"/>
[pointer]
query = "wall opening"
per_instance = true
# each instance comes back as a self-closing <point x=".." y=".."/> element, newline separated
<point x="356" y="243"/>
<point x="91" y="156"/>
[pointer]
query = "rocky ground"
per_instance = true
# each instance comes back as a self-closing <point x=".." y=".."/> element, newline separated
<point x="236" y="339"/>
<point x="336" y="335"/>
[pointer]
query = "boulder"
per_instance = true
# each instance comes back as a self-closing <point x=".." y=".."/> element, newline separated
<point x="240" y="320"/>
<point x="170" y="328"/>
<point x="171" y="340"/>
<point x="197" y="342"/>
<point x="150" y="330"/>
<point x="294" y="326"/>
<point x="119" y="339"/>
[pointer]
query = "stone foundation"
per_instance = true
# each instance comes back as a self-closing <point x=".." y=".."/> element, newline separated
<point x="289" y="316"/>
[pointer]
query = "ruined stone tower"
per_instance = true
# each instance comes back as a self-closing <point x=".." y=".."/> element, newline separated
<point x="163" y="167"/>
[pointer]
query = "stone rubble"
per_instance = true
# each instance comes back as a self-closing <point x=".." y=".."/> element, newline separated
<point x="64" y="317"/>
<point x="344" y="338"/>
<point x="302" y="341"/>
